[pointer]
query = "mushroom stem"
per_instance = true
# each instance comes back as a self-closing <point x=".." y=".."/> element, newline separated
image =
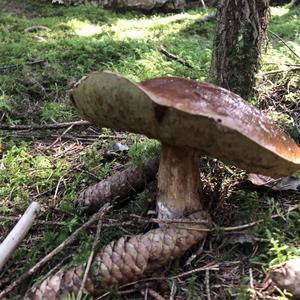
<point x="179" y="184"/>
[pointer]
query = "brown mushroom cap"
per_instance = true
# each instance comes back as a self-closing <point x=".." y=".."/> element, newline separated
<point x="186" y="113"/>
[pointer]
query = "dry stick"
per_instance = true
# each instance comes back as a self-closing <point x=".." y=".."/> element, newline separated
<point x="174" y="57"/>
<point x="212" y="267"/>
<point x="28" y="63"/>
<point x="44" y="126"/>
<point x="281" y="71"/>
<point x="207" y="284"/>
<point x="62" y="135"/>
<point x="16" y="236"/>
<point x="225" y="229"/>
<point x="245" y="226"/>
<point x="233" y="228"/>
<point x="36" y="28"/>
<point x="145" y="293"/>
<point x="90" y="260"/>
<point x="203" y="3"/>
<point x="169" y="221"/>
<point x="173" y="291"/>
<point x="277" y="36"/>
<point x="71" y="239"/>
<point x="41" y="222"/>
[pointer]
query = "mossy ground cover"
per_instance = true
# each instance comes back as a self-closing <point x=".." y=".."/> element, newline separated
<point x="44" y="50"/>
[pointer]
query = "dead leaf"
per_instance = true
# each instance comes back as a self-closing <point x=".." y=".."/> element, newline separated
<point x="289" y="183"/>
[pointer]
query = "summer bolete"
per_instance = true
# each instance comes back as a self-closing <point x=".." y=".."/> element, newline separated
<point x="190" y="119"/>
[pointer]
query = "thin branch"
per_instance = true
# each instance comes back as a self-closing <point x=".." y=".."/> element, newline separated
<point x="44" y="126"/>
<point x="70" y="240"/>
<point x="36" y="28"/>
<point x="40" y="61"/>
<point x="40" y="222"/>
<point x="280" y="39"/>
<point x="213" y="267"/>
<point x="207" y="284"/>
<point x="62" y="135"/>
<point x="174" y="57"/>
<point x="224" y="229"/>
<point x="203" y="3"/>
<point x="169" y="221"/>
<point x="16" y="236"/>
<point x="90" y="259"/>
<point x="282" y="71"/>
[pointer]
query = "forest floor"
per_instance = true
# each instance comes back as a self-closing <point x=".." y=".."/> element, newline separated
<point x="44" y="50"/>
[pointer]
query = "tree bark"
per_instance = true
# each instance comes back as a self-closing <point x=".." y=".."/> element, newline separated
<point x="239" y="38"/>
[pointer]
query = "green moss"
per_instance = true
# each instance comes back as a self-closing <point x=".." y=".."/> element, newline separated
<point x="87" y="38"/>
<point x="82" y="39"/>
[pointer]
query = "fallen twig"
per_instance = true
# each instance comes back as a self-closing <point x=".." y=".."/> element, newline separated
<point x="40" y="222"/>
<point x="18" y="233"/>
<point x="213" y="267"/>
<point x="71" y="239"/>
<point x="36" y="28"/>
<point x="224" y="229"/>
<point x="168" y="221"/>
<point x="62" y="135"/>
<point x="280" y="39"/>
<point x="44" y="126"/>
<point x="90" y="259"/>
<point x="40" y="61"/>
<point x="207" y="284"/>
<point x="282" y="71"/>
<point x="175" y="57"/>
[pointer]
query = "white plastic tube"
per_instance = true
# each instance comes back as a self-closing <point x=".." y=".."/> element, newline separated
<point x="18" y="233"/>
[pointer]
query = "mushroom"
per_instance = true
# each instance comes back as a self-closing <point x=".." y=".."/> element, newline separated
<point x="190" y="119"/>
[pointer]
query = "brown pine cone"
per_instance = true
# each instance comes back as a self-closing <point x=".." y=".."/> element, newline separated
<point x="59" y="285"/>
<point x="127" y="259"/>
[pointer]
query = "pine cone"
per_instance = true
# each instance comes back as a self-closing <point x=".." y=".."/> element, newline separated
<point x="126" y="260"/>
<point x="59" y="285"/>
<point x="132" y="258"/>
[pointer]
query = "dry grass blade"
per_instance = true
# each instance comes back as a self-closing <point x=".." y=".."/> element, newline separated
<point x="44" y="126"/>
<point x="90" y="259"/>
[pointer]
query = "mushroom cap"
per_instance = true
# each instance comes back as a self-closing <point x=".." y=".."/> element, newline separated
<point x="186" y="113"/>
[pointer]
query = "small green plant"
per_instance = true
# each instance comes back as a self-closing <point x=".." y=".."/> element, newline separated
<point x="5" y="104"/>
<point x="281" y="250"/>
<point x="56" y="112"/>
<point x="141" y="151"/>
<point x="93" y="160"/>
<point x="192" y="288"/>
